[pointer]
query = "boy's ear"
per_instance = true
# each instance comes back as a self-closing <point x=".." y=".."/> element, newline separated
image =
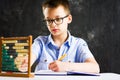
<point x="69" y="18"/>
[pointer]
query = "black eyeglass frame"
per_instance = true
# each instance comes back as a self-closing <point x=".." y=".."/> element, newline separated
<point x="50" y="21"/>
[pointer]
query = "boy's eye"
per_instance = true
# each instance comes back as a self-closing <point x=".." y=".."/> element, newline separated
<point x="49" y="20"/>
<point x="58" y="20"/>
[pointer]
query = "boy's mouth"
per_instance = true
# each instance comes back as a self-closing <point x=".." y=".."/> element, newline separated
<point x="55" y="30"/>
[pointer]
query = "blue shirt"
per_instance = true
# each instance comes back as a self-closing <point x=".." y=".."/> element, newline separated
<point x="46" y="51"/>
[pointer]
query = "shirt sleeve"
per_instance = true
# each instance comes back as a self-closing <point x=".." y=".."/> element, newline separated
<point x="84" y="51"/>
<point x="36" y="48"/>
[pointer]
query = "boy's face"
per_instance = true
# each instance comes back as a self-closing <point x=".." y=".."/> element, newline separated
<point x="52" y="14"/>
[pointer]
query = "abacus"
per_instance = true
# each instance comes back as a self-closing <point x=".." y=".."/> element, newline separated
<point x="13" y="52"/>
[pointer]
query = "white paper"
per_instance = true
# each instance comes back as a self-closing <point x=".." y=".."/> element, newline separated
<point x="49" y="72"/>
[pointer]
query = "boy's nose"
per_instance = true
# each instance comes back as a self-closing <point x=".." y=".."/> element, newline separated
<point x="53" y="24"/>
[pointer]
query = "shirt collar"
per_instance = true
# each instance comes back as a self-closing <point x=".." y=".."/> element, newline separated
<point x="50" y="40"/>
<point x="67" y="42"/>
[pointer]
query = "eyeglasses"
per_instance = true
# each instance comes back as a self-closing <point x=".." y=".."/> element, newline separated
<point x="57" y="21"/>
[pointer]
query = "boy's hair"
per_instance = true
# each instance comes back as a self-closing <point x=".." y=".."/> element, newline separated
<point x="56" y="3"/>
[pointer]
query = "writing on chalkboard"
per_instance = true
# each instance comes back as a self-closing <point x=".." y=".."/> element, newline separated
<point x="76" y="5"/>
<point x="75" y="2"/>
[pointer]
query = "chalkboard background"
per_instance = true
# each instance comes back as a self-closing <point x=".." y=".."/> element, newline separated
<point x="96" y="21"/>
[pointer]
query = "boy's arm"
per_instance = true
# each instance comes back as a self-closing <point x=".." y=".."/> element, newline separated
<point x="90" y="65"/>
<point x="33" y="58"/>
<point x="21" y="62"/>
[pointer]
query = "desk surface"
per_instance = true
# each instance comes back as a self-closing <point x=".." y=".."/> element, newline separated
<point x="103" y="76"/>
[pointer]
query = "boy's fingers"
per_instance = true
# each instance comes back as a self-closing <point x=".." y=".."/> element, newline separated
<point x="21" y="63"/>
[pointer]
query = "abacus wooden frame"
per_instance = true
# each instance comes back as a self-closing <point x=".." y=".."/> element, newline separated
<point x="15" y="74"/>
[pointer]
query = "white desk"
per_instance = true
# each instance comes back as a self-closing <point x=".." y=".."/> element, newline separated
<point x="103" y="76"/>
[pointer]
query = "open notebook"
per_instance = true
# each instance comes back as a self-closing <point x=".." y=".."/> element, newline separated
<point x="52" y="73"/>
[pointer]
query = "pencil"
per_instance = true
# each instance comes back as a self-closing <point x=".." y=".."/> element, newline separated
<point x="62" y="57"/>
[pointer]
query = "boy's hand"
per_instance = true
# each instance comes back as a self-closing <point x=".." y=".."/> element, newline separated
<point x="21" y="63"/>
<point x="58" y="66"/>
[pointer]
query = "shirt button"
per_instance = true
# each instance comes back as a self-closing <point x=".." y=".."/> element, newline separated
<point x="45" y="60"/>
<point x="69" y="61"/>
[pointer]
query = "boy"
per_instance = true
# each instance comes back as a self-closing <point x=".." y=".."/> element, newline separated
<point x="47" y="50"/>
